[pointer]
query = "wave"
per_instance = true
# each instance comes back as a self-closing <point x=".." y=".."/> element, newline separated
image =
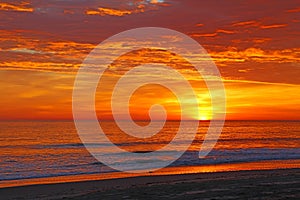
<point x="220" y="156"/>
<point x="76" y="164"/>
<point x="81" y="145"/>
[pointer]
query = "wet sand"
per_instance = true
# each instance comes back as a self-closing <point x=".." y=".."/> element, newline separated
<point x="254" y="184"/>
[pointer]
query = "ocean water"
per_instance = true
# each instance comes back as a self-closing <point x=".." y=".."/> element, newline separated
<point x="38" y="149"/>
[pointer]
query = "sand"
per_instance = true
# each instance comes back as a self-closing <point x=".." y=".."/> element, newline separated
<point x="255" y="184"/>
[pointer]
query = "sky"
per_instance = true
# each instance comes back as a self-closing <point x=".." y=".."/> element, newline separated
<point x="254" y="44"/>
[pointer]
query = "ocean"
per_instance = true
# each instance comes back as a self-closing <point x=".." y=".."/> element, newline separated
<point x="41" y="149"/>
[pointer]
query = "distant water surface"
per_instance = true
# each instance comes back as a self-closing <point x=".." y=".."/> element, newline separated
<point x="37" y="149"/>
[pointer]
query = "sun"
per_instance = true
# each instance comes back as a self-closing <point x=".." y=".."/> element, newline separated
<point x="203" y="118"/>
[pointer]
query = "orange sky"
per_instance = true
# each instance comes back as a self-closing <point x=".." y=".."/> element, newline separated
<point x="255" y="45"/>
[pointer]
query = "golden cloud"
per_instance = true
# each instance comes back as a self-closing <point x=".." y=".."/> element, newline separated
<point x="140" y="7"/>
<point x="258" y="55"/>
<point x="258" y="24"/>
<point x="218" y="31"/>
<point x="40" y="66"/>
<point x="115" y="12"/>
<point x="246" y="23"/>
<point x="273" y="26"/>
<point x="22" y="7"/>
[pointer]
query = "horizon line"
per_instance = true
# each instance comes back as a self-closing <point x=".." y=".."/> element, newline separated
<point x="143" y="120"/>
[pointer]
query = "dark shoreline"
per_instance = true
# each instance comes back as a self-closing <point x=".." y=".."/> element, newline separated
<point x="255" y="184"/>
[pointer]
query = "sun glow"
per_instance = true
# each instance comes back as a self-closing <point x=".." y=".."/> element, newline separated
<point x="203" y="118"/>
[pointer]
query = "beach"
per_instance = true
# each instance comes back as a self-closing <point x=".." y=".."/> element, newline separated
<point x="253" y="184"/>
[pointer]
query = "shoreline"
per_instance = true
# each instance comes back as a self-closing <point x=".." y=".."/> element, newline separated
<point x="281" y="183"/>
<point x="176" y="170"/>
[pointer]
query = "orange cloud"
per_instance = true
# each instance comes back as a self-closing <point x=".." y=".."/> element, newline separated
<point x="68" y="55"/>
<point x="225" y="31"/>
<point x="253" y="23"/>
<point x="273" y="26"/>
<point x="258" y="55"/>
<point x="261" y="40"/>
<point x="19" y="51"/>
<point x="140" y="7"/>
<point x="199" y="25"/>
<point x="204" y="34"/>
<point x="159" y="3"/>
<point x="115" y="12"/>
<point x="258" y="40"/>
<point x="36" y="90"/>
<point x="40" y="66"/>
<point x="246" y="23"/>
<point x="22" y="7"/>
<point x="108" y="11"/>
<point x="212" y="34"/>
<point x="294" y="10"/>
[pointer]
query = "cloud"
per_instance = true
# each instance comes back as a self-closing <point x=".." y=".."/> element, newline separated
<point x="40" y="66"/>
<point x="218" y="31"/>
<point x="21" y="7"/>
<point x="294" y="10"/>
<point x="246" y="23"/>
<point x="159" y="2"/>
<point x="81" y="7"/>
<point x="134" y="8"/>
<point x="199" y="24"/>
<point x="203" y="34"/>
<point x="257" y="55"/>
<point x="273" y="26"/>
<point x="18" y="49"/>
<point x="114" y="12"/>
<point x="25" y="50"/>
<point x="257" y="82"/>
<point x="253" y="23"/>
